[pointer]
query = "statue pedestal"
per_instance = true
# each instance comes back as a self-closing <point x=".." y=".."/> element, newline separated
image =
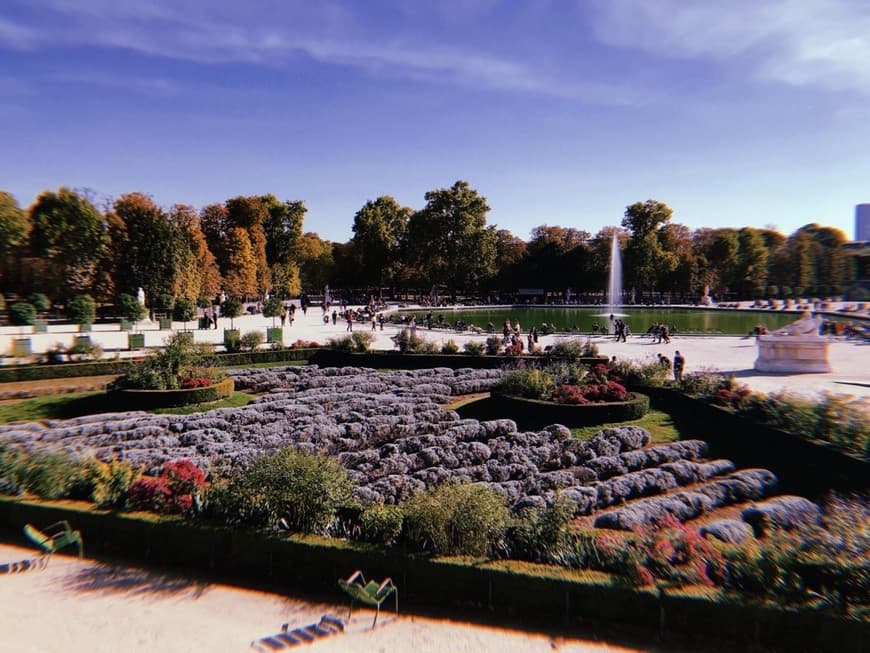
<point x="794" y="354"/>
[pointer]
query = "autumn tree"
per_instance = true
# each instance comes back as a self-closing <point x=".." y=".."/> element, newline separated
<point x="68" y="235"/>
<point x="240" y="279"/>
<point x="315" y="259"/>
<point x="251" y="214"/>
<point x="449" y="238"/>
<point x="197" y="274"/>
<point x="283" y="229"/>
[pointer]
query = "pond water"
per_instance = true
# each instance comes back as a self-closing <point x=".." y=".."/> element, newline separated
<point x="681" y="320"/>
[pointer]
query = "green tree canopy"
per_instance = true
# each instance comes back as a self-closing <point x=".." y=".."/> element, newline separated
<point x="81" y="309"/>
<point x="450" y="240"/>
<point x="283" y="228"/>
<point x="68" y="234"/>
<point x="646" y="261"/>
<point x="379" y="231"/>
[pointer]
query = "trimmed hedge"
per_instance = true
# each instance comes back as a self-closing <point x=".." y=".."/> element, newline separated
<point x="804" y="467"/>
<point x="14" y="373"/>
<point x="496" y="590"/>
<point x="395" y="361"/>
<point x="535" y="414"/>
<point x="130" y="399"/>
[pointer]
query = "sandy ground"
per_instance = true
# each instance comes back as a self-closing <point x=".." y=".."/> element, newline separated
<point x="85" y="606"/>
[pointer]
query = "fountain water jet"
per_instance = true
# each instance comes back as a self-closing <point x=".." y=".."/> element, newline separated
<point x="614" y="286"/>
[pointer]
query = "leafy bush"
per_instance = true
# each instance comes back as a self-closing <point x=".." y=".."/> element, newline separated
<point x="344" y="344"/>
<point x="838" y="419"/>
<point x="231" y="308"/>
<point x="450" y="348"/>
<point x="83" y="349"/>
<point x="668" y="551"/>
<point x="184" y="310"/>
<point x="380" y="524"/>
<point x="10" y="470"/>
<point x="591" y="393"/>
<point x="305" y="490"/>
<point x="574" y="349"/>
<point x="451" y="519"/>
<point x="252" y="339"/>
<point x="273" y="307"/>
<point x="473" y="348"/>
<point x="820" y="564"/>
<point x="110" y="482"/>
<point x="645" y="374"/>
<point x="130" y="308"/>
<point x="175" y="491"/>
<point x="53" y="475"/>
<point x="408" y="344"/>
<point x="40" y="302"/>
<point x="493" y="345"/>
<point x="81" y="309"/>
<point x="22" y="314"/>
<point x="527" y="382"/>
<point x="704" y="383"/>
<point x="362" y="340"/>
<point x="168" y="368"/>
<point x="541" y="534"/>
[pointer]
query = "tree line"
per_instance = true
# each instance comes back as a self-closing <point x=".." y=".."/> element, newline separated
<point x="64" y="246"/>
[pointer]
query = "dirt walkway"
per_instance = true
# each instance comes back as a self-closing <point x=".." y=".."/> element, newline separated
<point x="18" y="390"/>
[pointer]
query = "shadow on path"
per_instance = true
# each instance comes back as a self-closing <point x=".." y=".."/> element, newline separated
<point x="109" y="579"/>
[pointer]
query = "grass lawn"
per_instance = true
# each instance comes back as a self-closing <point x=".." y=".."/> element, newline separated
<point x="258" y="365"/>
<point x="89" y="403"/>
<point x="660" y="425"/>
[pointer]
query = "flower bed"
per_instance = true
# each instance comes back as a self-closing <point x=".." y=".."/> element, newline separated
<point x="534" y="413"/>
<point x="132" y="399"/>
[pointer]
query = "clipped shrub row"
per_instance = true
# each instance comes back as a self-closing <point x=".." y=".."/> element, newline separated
<point x="133" y="399"/>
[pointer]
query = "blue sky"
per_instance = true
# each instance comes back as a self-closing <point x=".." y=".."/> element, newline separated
<point x="734" y="112"/>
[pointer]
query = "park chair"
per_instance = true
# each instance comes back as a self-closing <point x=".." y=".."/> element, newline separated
<point x="54" y="537"/>
<point x="368" y="593"/>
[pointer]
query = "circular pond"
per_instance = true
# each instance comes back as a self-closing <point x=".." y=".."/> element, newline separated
<point x="566" y="318"/>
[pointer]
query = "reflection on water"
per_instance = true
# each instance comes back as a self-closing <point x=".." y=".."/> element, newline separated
<point x="638" y="319"/>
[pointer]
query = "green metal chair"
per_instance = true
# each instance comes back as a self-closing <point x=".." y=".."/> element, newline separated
<point x="54" y="537"/>
<point x="368" y="593"/>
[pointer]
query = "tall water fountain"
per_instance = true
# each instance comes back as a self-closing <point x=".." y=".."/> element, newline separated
<point x="614" y="288"/>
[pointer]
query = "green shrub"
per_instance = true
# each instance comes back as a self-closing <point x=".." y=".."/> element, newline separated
<point x="703" y="383"/>
<point x="362" y="340"/>
<point x="231" y="308"/>
<point x="165" y="369"/>
<point x="10" y="469"/>
<point x="450" y="347"/>
<point x="81" y="309"/>
<point x="83" y="349"/>
<point x="273" y="307"/>
<point x="110" y="482"/>
<point x="184" y="310"/>
<point x="473" y="348"/>
<point x="303" y="489"/>
<point x="22" y="314"/>
<point x="493" y="345"/>
<point x="344" y="344"/>
<point x="252" y="339"/>
<point x="408" y="344"/>
<point x="130" y="308"/>
<point x="527" y="382"/>
<point x="646" y="374"/>
<point x="541" y="534"/>
<point x="40" y="302"/>
<point x="380" y="524"/>
<point x="468" y="519"/>
<point x="574" y="349"/>
<point x="53" y="475"/>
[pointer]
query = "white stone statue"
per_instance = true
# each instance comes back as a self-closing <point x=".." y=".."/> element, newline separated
<point x="807" y="325"/>
<point x="140" y="295"/>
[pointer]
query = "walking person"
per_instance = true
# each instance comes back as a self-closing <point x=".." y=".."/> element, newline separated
<point x="679" y="364"/>
<point x="350" y="321"/>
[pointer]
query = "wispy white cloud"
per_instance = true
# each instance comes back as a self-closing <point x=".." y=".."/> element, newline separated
<point x="820" y="43"/>
<point x="15" y="36"/>
<point x="202" y="32"/>
<point x="145" y="85"/>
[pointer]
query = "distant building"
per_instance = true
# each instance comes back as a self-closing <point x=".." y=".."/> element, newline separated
<point x="862" y="222"/>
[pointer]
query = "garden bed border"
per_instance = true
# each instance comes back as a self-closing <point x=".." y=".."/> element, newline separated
<point x="137" y="399"/>
<point x="463" y="589"/>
